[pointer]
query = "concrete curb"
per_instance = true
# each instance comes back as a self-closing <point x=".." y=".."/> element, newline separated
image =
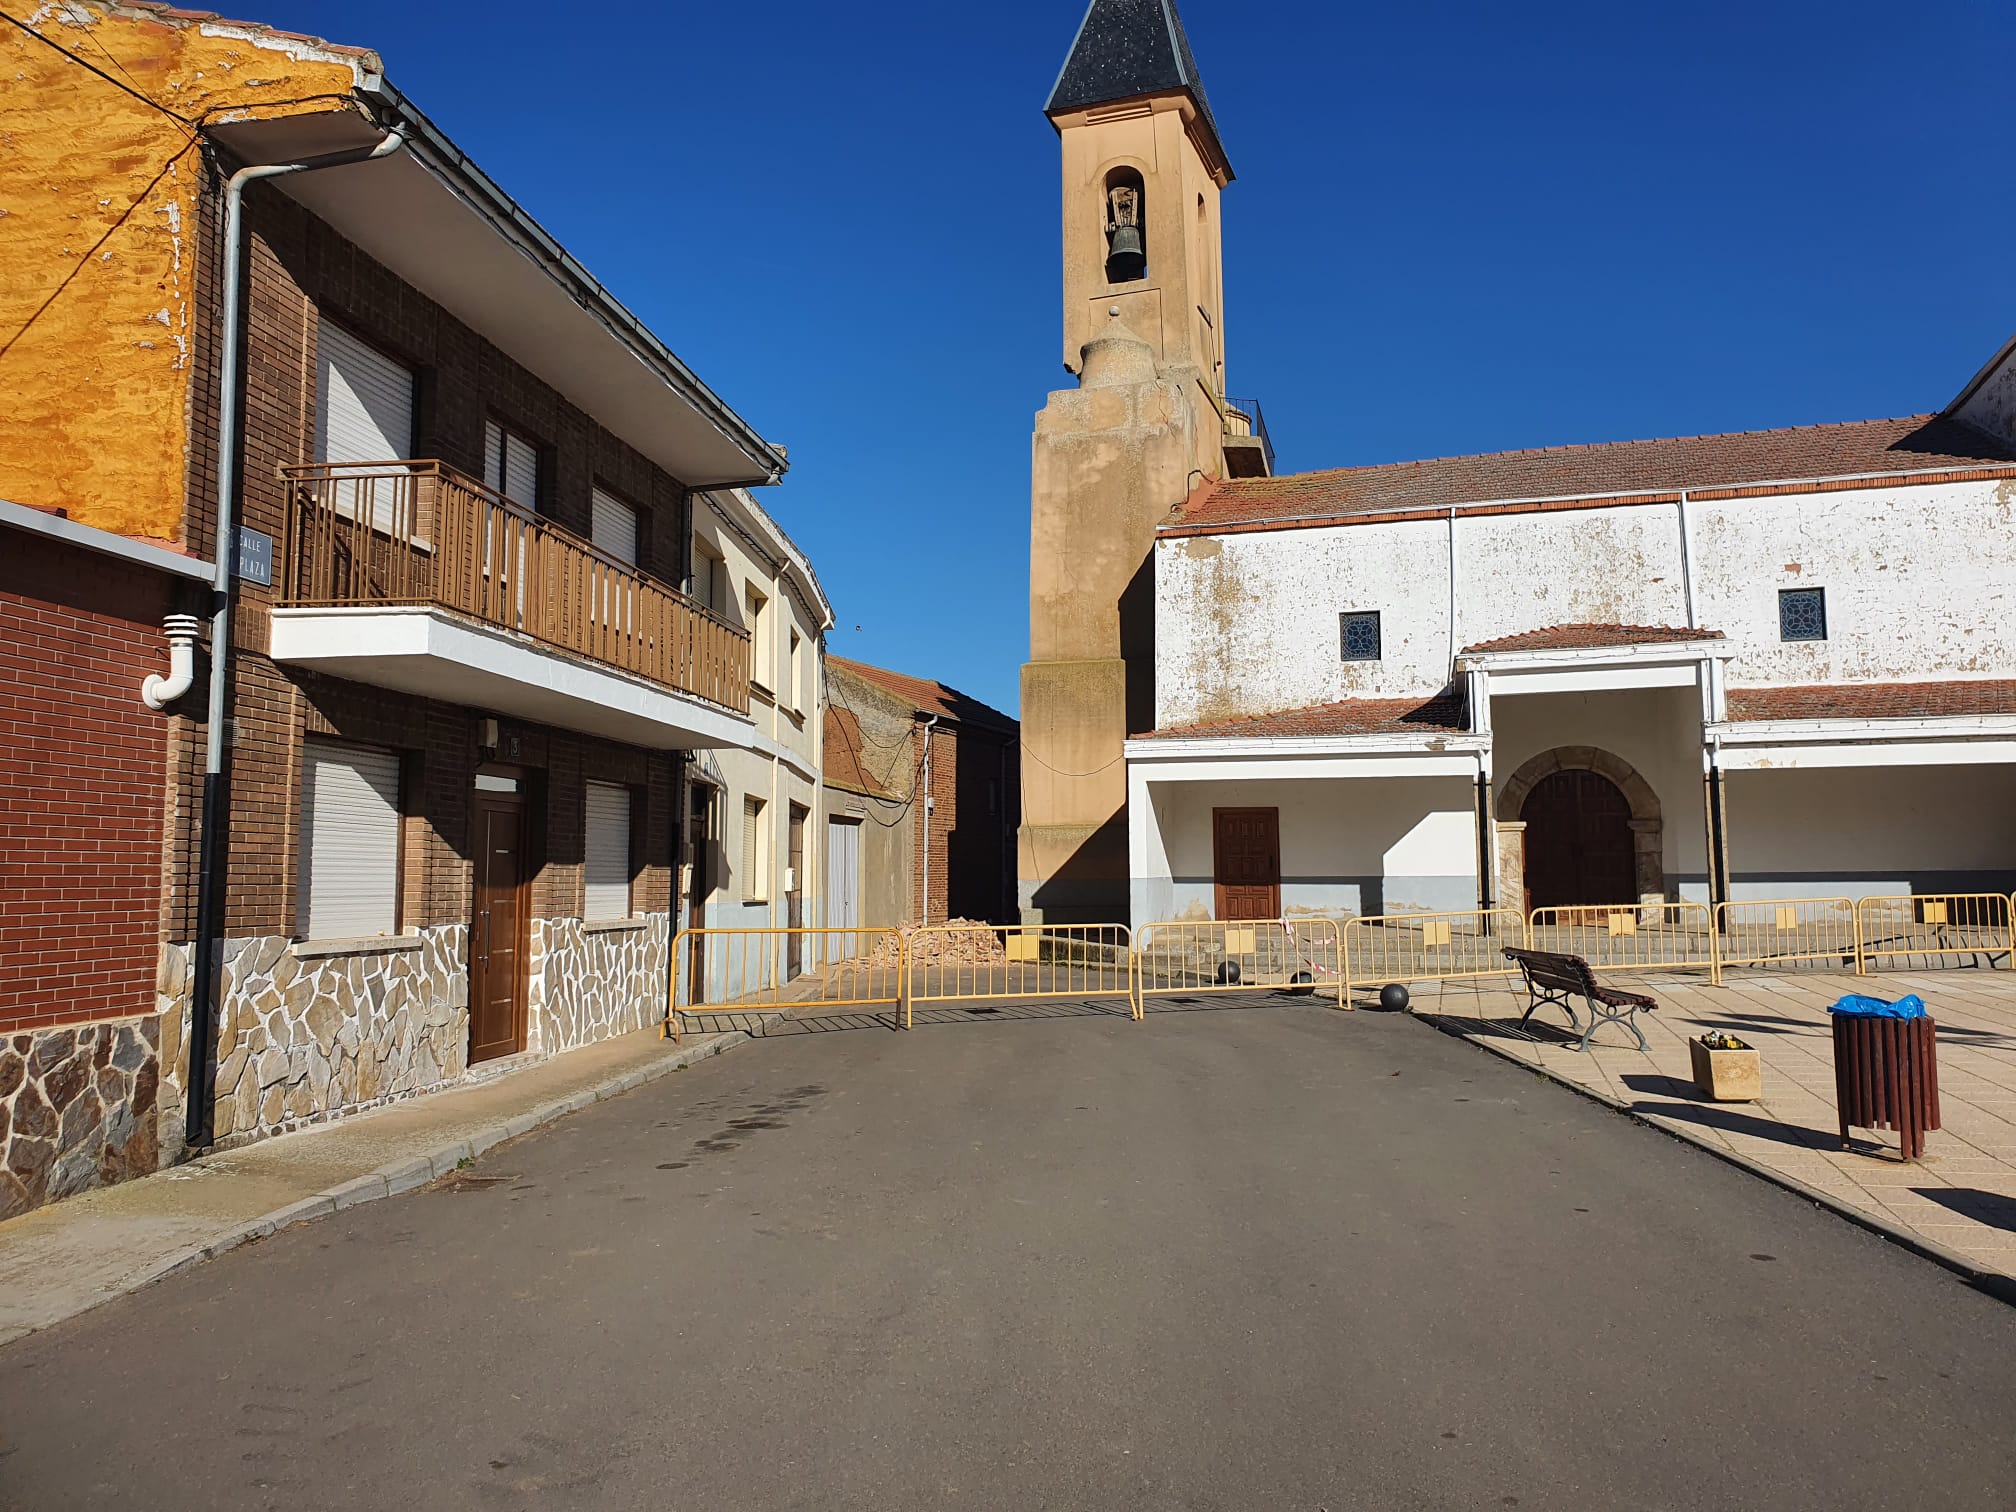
<point x="1995" y="1283"/>
<point x="404" y="1175"/>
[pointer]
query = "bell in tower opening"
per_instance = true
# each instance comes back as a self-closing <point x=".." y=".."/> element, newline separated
<point x="1126" y="244"/>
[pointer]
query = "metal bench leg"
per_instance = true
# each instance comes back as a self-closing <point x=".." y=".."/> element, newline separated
<point x="1603" y="1013"/>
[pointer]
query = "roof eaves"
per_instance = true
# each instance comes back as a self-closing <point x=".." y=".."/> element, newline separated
<point x="392" y="108"/>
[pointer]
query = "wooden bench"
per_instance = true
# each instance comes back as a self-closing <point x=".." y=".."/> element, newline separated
<point x="1554" y="977"/>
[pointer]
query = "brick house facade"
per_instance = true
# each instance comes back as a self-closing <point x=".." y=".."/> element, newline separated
<point x="916" y="739"/>
<point x="477" y="739"/>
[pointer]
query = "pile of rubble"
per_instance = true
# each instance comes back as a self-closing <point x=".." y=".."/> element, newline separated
<point x="956" y="942"/>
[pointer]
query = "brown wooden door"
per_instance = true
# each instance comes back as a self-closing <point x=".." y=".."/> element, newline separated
<point x="699" y="843"/>
<point x="1246" y="862"/>
<point x="497" y="944"/>
<point x="1578" y="842"/>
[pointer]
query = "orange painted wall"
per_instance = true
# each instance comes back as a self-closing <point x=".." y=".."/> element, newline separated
<point x="98" y="203"/>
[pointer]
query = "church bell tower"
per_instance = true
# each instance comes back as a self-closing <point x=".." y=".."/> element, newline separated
<point x="1144" y="333"/>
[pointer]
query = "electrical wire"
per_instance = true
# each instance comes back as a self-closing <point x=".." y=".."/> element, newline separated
<point x="89" y="66"/>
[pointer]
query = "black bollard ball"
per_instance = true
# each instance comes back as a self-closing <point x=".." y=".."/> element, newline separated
<point x="1228" y="973"/>
<point x="1393" y="997"/>
<point x="1302" y="984"/>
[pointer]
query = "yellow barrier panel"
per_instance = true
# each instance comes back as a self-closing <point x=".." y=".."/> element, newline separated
<point x="1180" y="957"/>
<point x="1933" y="926"/>
<point x="1430" y="947"/>
<point x="1787" y="932"/>
<point x="949" y="963"/>
<point x="729" y="971"/>
<point x="1629" y="936"/>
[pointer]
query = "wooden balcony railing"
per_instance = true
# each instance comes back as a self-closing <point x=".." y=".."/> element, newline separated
<point x="422" y="533"/>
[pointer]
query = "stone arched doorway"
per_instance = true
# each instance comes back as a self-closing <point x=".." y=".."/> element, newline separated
<point x="1580" y="819"/>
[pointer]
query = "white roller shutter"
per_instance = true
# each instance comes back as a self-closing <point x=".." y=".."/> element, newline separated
<point x="511" y="465"/>
<point x="754" y="889"/>
<point x="349" y="842"/>
<point x="614" y="529"/>
<point x="607" y="852"/>
<point x="363" y="401"/>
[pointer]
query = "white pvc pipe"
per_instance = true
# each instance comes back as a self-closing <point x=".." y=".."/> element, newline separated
<point x="182" y="630"/>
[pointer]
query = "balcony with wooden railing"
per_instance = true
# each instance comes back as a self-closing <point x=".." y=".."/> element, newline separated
<point x="420" y="534"/>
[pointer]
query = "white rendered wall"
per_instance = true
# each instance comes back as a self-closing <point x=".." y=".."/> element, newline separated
<point x="1866" y="831"/>
<point x="1348" y="846"/>
<point x="1921" y="584"/>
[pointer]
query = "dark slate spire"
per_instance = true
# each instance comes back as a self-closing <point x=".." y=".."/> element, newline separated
<point x="1126" y="48"/>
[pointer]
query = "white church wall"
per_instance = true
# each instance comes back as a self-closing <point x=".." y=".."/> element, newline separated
<point x="1656" y="731"/>
<point x="1348" y="846"/>
<point x="1992" y="405"/>
<point x="1920" y="582"/>
<point x="1870" y="831"/>
<point x="1247" y="624"/>
<point x="1579" y="566"/>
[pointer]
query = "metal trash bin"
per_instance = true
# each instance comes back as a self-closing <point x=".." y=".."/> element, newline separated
<point x="1886" y="1069"/>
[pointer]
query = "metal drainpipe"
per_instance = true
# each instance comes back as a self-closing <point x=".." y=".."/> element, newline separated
<point x="197" y="1110"/>
<point x="924" y="903"/>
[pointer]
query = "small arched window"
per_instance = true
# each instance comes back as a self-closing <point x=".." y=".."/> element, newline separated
<point x="1125" y="217"/>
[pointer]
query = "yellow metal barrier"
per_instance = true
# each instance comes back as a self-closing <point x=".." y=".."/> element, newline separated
<point x="1787" y="932"/>
<point x="728" y="971"/>
<point x="949" y="963"/>
<point x="1430" y="947"/>
<point x="1935" y="925"/>
<point x="1629" y="936"/>
<point x="1179" y="958"/>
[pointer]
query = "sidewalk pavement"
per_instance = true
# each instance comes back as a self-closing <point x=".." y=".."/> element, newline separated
<point x="1958" y="1203"/>
<point x="61" y="1259"/>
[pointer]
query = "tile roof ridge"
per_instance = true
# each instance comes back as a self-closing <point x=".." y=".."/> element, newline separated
<point x="1577" y="446"/>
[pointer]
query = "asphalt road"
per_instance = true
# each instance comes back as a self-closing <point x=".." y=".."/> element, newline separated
<point x="1273" y="1258"/>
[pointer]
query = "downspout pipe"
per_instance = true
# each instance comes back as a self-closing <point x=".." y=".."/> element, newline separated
<point x="924" y="903"/>
<point x="197" y="1111"/>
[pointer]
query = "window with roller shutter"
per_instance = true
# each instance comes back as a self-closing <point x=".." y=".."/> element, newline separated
<point x="363" y="414"/>
<point x="613" y="527"/>
<point x="511" y="465"/>
<point x="607" y="855"/>
<point x="348" y="884"/>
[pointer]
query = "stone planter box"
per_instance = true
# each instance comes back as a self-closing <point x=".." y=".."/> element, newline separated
<point x="1727" y="1075"/>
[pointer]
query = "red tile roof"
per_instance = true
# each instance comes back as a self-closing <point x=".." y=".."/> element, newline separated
<point x="840" y="760"/>
<point x="1926" y="700"/>
<point x="926" y="696"/>
<point x="1352" y="716"/>
<point x="1564" y="637"/>
<point x="1913" y="444"/>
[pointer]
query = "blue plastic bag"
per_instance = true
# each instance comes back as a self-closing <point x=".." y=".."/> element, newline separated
<point x="1856" y="1006"/>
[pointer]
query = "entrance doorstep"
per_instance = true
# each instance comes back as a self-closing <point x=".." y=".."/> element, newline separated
<point x="57" y="1261"/>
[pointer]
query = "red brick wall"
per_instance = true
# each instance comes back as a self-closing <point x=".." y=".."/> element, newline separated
<point x="82" y="777"/>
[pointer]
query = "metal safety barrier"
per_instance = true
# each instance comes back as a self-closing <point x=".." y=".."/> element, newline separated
<point x="1182" y="957"/>
<point x="1430" y="946"/>
<point x="952" y="963"/>
<point x="1932" y="926"/>
<point x="1629" y="936"/>
<point x="734" y="971"/>
<point x="1787" y="932"/>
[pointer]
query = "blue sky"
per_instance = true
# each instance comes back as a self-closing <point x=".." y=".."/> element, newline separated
<point x="1456" y="228"/>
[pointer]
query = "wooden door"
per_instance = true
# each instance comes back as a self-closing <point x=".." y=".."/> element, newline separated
<point x="1246" y="862"/>
<point x="699" y="846"/>
<point x="1579" y="846"/>
<point x="497" y="954"/>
